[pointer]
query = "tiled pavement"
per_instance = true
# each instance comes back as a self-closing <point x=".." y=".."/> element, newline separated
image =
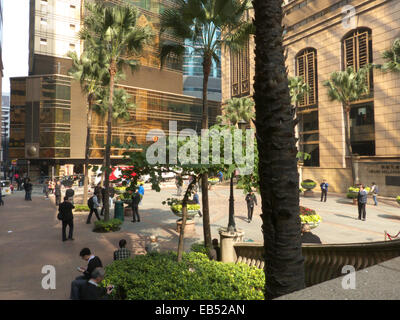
<point x="35" y="239"/>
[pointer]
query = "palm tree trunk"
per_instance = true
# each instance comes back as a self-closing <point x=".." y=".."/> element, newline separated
<point x="106" y="204"/>
<point x="284" y="263"/>
<point x="348" y="142"/>
<point x="204" y="179"/>
<point x="87" y="151"/>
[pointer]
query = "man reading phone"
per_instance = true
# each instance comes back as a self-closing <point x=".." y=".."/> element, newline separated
<point x="91" y="290"/>
<point x="93" y="263"/>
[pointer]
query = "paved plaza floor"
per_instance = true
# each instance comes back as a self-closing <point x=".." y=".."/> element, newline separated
<point x="30" y="234"/>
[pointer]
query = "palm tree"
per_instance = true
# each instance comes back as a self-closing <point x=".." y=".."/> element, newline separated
<point x="199" y="22"/>
<point x="237" y="110"/>
<point x="92" y="75"/>
<point x="278" y="176"/>
<point x="392" y="57"/>
<point x="297" y="89"/>
<point x="113" y="32"/>
<point x="345" y="87"/>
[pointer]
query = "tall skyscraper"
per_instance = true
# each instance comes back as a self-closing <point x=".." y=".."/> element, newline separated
<point x="48" y="109"/>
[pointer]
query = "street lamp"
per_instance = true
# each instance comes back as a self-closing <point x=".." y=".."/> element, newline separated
<point x="231" y="224"/>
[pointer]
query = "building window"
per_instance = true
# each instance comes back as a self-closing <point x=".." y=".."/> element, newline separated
<point x="362" y="129"/>
<point x="306" y="67"/>
<point x="43" y="21"/>
<point x="72" y="46"/>
<point x="72" y="26"/>
<point x="309" y="136"/>
<point x="240" y="72"/>
<point x="72" y="6"/>
<point x="43" y="41"/>
<point x="357" y="51"/>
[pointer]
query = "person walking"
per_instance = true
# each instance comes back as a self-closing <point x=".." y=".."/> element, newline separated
<point x="141" y="192"/>
<point x="122" y="252"/>
<point x="57" y="192"/>
<point x="67" y="218"/>
<point x="28" y="189"/>
<point x="135" y="207"/>
<point x="374" y="191"/>
<point x="46" y="189"/>
<point x="196" y="200"/>
<point x="19" y="181"/>
<point x="324" y="190"/>
<point x="102" y="198"/>
<point x="362" y="202"/>
<point x="251" y="200"/>
<point x="93" y="204"/>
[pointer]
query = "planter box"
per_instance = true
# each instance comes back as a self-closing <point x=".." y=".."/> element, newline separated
<point x="190" y="214"/>
<point x="308" y="193"/>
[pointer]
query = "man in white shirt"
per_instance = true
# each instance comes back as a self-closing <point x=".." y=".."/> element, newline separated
<point x="93" y="204"/>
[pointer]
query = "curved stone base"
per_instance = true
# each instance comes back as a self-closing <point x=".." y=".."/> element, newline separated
<point x="189" y="227"/>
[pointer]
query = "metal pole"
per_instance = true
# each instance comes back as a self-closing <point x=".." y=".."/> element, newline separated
<point x="231" y="223"/>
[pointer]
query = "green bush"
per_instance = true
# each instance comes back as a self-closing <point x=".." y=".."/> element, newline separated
<point x="158" y="276"/>
<point x="398" y="199"/>
<point x="308" y="184"/>
<point x="107" y="226"/>
<point x="81" y="207"/>
<point x="352" y="195"/>
<point x="356" y="189"/>
<point x="120" y="190"/>
<point x="190" y="207"/>
<point x="199" y="247"/>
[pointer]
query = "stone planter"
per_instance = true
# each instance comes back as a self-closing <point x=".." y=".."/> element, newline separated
<point x="313" y="225"/>
<point x="308" y="193"/>
<point x="190" y="214"/>
<point x="189" y="227"/>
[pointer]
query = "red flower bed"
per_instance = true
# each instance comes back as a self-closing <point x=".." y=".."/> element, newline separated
<point x="306" y="211"/>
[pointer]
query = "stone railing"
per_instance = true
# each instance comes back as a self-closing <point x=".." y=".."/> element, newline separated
<point x="325" y="262"/>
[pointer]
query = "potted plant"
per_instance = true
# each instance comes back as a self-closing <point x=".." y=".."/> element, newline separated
<point x="352" y="193"/>
<point x="308" y="185"/>
<point x="310" y="217"/>
<point x="176" y="208"/>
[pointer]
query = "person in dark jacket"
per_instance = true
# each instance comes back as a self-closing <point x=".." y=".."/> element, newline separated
<point x="251" y="200"/>
<point x="103" y="200"/>
<point x="324" y="190"/>
<point x="135" y="206"/>
<point x="67" y="218"/>
<point x="362" y="203"/>
<point x="93" y="263"/>
<point x="91" y="289"/>
<point x="307" y="236"/>
<point x="57" y="192"/>
<point x="28" y="189"/>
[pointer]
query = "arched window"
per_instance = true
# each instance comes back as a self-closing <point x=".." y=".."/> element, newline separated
<point x="240" y="72"/>
<point x="357" y="50"/>
<point x="306" y="67"/>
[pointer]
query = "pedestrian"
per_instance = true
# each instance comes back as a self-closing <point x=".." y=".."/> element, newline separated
<point x="91" y="290"/>
<point x="153" y="245"/>
<point x="93" y="204"/>
<point x="196" y="200"/>
<point x="46" y="189"/>
<point x="122" y="252"/>
<point x="70" y="194"/>
<point x="362" y="202"/>
<point x="135" y="207"/>
<point x="119" y="209"/>
<point x="178" y="183"/>
<point x="220" y="176"/>
<point x="57" y="192"/>
<point x="141" y="192"/>
<point x="1" y="196"/>
<point x="251" y="200"/>
<point x="28" y="189"/>
<point x="93" y="263"/>
<point x="307" y="236"/>
<point x="67" y="218"/>
<point x="19" y="181"/>
<point x="324" y="190"/>
<point x="374" y="191"/>
<point x="215" y="252"/>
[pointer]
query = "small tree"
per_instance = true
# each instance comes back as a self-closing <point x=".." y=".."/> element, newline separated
<point x="237" y="110"/>
<point x="392" y="57"/>
<point x="346" y="87"/>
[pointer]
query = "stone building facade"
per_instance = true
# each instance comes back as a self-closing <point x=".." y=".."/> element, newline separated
<point x="324" y="36"/>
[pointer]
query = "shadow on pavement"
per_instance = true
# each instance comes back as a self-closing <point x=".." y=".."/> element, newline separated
<point x="389" y="216"/>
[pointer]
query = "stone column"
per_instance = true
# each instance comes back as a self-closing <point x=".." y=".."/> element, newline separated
<point x="227" y="241"/>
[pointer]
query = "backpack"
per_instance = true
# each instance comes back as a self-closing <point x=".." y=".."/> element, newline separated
<point x="90" y="202"/>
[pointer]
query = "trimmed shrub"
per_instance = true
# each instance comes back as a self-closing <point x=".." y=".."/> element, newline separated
<point x="158" y="276"/>
<point x="199" y="247"/>
<point x="81" y="207"/>
<point x="352" y="195"/>
<point x="107" y="226"/>
<point x="190" y="207"/>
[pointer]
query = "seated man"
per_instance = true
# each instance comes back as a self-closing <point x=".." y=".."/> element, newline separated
<point x="91" y="290"/>
<point x="93" y="263"/>
<point x="307" y="236"/>
<point x="122" y="253"/>
<point x="153" y="245"/>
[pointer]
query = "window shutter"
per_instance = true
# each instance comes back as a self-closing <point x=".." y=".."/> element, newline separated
<point x="311" y="78"/>
<point x="306" y="68"/>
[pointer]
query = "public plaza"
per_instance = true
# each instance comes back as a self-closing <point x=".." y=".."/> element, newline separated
<point x="30" y="234"/>
<point x="58" y="131"/>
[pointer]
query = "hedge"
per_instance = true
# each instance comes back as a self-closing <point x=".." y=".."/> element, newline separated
<point x="81" y="207"/>
<point x="107" y="226"/>
<point x="158" y="276"/>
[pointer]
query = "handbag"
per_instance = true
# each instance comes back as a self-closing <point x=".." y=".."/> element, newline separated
<point x="60" y="216"/>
